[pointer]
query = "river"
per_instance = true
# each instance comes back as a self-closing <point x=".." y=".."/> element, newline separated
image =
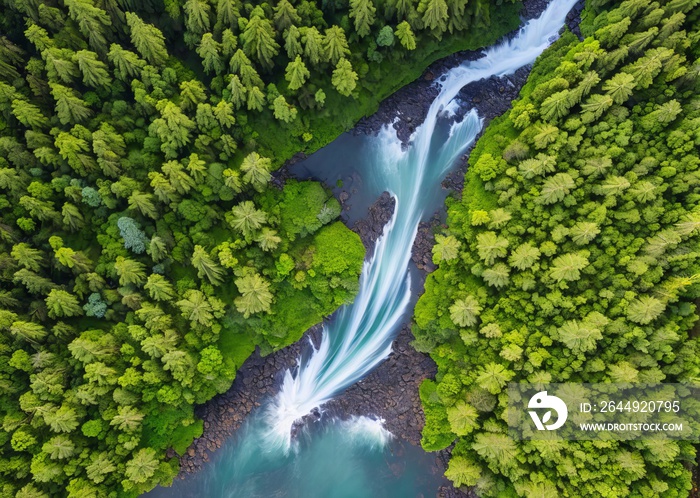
<point x="275" y="453"/>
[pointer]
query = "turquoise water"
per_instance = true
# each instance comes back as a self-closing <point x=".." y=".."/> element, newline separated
<point x="351" y="459"/>
<point x="357" y="458"/>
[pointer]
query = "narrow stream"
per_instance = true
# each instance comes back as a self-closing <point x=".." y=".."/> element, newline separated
<point x="358" y="458"/>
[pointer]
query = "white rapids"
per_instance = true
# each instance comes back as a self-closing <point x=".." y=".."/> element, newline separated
<point x="360" y="336"/>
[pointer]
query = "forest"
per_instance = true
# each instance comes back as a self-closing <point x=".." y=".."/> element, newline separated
<point x="574" y="256"/>
<point x="146" y="247"/>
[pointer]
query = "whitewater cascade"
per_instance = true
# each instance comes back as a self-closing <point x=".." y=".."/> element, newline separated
<point x="360" y="336"/>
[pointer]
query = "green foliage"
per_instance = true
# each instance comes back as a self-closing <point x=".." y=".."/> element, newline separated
<point x="572" y="257"/>
<point x="144" y="252"/>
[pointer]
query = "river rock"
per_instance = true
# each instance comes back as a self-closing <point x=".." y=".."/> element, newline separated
<point x="371" y="227"/>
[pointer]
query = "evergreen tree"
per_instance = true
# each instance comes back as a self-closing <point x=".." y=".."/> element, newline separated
<point x="334" y="44"/>
<point x="314" y="46"/>
<point x="209" y="50"/>
<point x="126" y="64"/>
<point x="292" y="43"/>
<point x="93" y="22"/>
<point x="363" y="11"/>
<point x="434" y="16"/>
<point x="196" y="20"/>
<point x="94" y="71"/>
<point x="258" y="39"/>
<point x="296" y="73"/>
<point x="344" y="78"/>
<point x="69" y="108"/>
<point x="237" y="91"/>
<point x="28" y="114"/>
<point x="256" y="99"/>
<point x="285" y="16"/>
<point x="147" y="39"/>
<point x="227" y="14"/>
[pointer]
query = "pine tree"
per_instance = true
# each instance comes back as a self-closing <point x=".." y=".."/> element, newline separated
<point x="258" y="39"/>
<point x="344" y="78"/>
<point x="196" y="308"/>
<point x="72" y="218"/>
<point x="335" y="44"/>
<point x="556" y="188"/>
<point x="69" y="108"/>
<point x="314" y="49"/>
<point x="28" y="331"/>
<point x="38" y="36"/>
<point x="109" y="147"/>
<point x="127" y="419"/>
<point x="227" y="14"/>
<point x="143" y="203"/>
<point x="496" y="276"/>
<point x="490" y="247"/>
<point x="296" y="73"/>
<point x="94" y="71"/>
<point x="192" y="92"/>
<point x="60" y="65"/>
<point x="256" y="99"/>
<point x="130" y="271"/>
<point x="568" y="267"/>
<point x="385" y="38"/>
<point x="237" y="91"/>
<point x="292" y="43"/>
<point x="446" y="248"/>
<point x="28" y="114"/>
<point x="579" y="336"/>
<point x="142" y="466"/>
<point x="28" y="257"/>
<point x="268" y="239"/>
<point x="434" y="16"/>
<point x="620" y="87"/>
<point x="285" y="15"/>
<point x="645" y="310"/>
<point x="92" y="21"/>
<point x="524" y="256"/>
<point x="229" y="43"/>
<point x="196" y="20"/>
<point x="126" y="64"/>
<point x="363" y="11"/>
<point x="172" y="128"/>
<point x="223" y="112"/>
<point x="60" y="303"/>
<point x="147" y="39"/>
<point x="208" y="50"/>
<point x="283" y="111"/>
<point x="159" y="288"/>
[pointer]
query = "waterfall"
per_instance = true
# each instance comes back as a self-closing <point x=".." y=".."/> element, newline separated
<point x="361" y="335"/>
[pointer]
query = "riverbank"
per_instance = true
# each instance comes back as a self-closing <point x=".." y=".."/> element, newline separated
<point x="391" y="391"/>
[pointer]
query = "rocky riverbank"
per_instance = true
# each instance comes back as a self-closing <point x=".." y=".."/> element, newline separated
<point x="391" y="390"/>
<point x="406" y="109"/>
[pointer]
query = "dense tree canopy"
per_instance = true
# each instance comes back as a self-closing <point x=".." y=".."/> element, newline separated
<point x="573" y="257"/>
